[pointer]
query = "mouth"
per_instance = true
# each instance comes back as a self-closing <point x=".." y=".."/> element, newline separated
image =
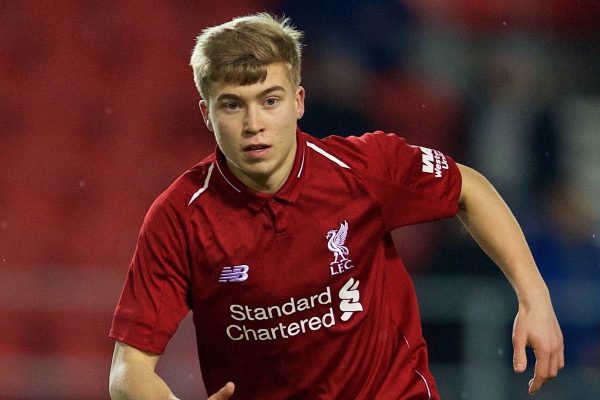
<point x="256" y="150"/>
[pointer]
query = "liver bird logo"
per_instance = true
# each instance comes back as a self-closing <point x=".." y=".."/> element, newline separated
<point x="337" y="238"/>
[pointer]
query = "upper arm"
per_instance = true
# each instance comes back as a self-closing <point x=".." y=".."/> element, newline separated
<point x="470" y="180"/>
<point x="475" y="189"/>
<point x="464" y="173"/>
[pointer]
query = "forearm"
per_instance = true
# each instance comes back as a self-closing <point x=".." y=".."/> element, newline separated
<point x="130" y="382"/>
<point x="132" y="375"/>
<point x="493" y="226"/>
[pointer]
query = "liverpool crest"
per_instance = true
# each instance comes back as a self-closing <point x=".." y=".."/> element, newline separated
<point x="336" y="244"/>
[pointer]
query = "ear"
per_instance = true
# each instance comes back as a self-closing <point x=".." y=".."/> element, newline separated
<point x="205" y="116"/>
<point x="300" y="102"/>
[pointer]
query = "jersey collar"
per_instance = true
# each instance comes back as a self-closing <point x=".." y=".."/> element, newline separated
<point x="254" y="199"/>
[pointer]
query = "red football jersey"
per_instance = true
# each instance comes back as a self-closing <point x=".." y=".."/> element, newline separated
<point x="299" y="294"/>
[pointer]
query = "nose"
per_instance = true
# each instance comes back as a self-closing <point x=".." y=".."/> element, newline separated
<point x="253" y="120"/>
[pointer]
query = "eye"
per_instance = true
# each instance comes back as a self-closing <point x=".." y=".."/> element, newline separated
<point x="271" y="101"/>
<point x="232" y="106"/>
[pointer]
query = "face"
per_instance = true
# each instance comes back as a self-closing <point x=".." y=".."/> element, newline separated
<point x="255" y="127"/>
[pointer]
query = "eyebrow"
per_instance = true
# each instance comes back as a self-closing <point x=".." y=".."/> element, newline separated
<point x="225" y="96"/>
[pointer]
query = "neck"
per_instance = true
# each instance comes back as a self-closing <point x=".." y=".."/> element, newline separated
<point x="261" y="184"/>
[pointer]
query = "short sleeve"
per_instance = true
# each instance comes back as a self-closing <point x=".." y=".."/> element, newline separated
<point x="154" y="298"/>
<point x="413" y="184"/>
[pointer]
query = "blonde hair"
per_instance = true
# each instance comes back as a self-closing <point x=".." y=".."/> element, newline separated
<point x="239" y="51"/>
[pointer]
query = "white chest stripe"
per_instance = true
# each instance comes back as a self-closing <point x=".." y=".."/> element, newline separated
<point x="199" y="192"/>
<point x="327" y="155"/>
<point x="302" y="165"/>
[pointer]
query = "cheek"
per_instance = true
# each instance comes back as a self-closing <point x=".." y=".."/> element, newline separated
<point x="225" y="131"/>
<point x="286" y="130"/>
<point x="287" y="119"/>
<point x="224" y="139"/>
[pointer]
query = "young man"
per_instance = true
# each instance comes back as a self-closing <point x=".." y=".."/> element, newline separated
<point x="280" y="245"/>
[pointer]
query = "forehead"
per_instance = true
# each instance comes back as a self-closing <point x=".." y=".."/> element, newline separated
<point x="276" y="76"/>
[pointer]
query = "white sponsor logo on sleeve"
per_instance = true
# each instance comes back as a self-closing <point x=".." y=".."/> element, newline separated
<point x="434" y="162"/>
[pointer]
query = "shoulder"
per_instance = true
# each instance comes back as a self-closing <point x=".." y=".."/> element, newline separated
<point x="176" y="199"/>
<point x="358" y="152"/>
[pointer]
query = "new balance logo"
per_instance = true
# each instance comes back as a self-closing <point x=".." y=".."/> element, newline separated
<point x="350" y="297"/>
<point x="238" y="273"/>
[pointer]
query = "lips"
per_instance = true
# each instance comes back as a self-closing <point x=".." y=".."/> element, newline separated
<point x="257" y="151"/>
<point x="255" y="147"/>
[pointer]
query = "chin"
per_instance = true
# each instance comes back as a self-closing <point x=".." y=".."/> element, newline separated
<point x="259" y="173"/>
<point x="259" y="170"/>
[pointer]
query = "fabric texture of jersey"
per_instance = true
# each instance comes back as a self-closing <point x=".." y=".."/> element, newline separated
<point x="299" y="294"/>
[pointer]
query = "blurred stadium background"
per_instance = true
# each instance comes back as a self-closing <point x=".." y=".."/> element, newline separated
<point x="98" y="114"/>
